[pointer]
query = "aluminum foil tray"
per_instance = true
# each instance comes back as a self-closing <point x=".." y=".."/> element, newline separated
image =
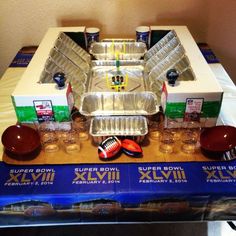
<point x="118" y="103"/>
<point x="72" y="56"/>
<point x="120" y="40"/>
<point x="119" y="126"/>
<point x="160" y="44"/>
<point x="95" y="63"/>
<point x="103" y="71"/>
<point x="69" y="43"/>
<point x="123" y="50"/>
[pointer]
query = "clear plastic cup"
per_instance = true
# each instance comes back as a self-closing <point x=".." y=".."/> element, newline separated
<point x="155" y="131"/>
<point x="50" y="142"/>
<point x="156" y="125"/>
<point x="174" y="126"/>
<point x="48" y="137"/>
<point x="190" y="136"/>
<point x="70" y="141"/>
<point x="167" y="141"/>
<point x="81" y="124"/>
<point x="62" y="128"/>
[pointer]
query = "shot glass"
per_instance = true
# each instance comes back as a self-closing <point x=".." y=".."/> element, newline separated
<point x="62" y="128"/>
<point x="190" y="136"/>
<point x="81" y="124"/>
<point x="70" y="141"/>
<point x="167" y="141"/>
<point x="174" y="126"/>
<point x="155" y="126"/>
<point x="48" y="136"/>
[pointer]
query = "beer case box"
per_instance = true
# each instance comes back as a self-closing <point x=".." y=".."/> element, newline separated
<point x="34" y="101"/>
<point x="199" y="99"/>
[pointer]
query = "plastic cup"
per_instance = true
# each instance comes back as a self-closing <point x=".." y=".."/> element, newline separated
<point x="155" y="126"/>
<point x="81" y="125"/>
<point x="142" y="34"/>
<point x="63" y="128"/>
<point x="50" y="142"/>
<point x="92" y="35"/>
<point x="174" y="126"/>
<point x="167" y="141"/>
<point x="190" y="136"/>
<point x="48" y="137"/>
<point x="70" y="142"/>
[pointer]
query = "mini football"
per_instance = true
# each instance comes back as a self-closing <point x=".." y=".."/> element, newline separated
<point x="131" y="148"/>
<point x="109" y="147"/>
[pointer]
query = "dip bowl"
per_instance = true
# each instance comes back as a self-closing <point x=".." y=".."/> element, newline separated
<point x="21" y="142"/>
<point x="217" y="141"/>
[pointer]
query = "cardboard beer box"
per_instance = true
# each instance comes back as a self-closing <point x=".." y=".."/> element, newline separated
<point x="198" y="99"/>
<point x="36" y="101"/>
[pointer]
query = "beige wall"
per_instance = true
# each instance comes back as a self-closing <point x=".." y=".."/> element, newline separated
<point x="221" y="33"/>
<point x="24" y="22"/>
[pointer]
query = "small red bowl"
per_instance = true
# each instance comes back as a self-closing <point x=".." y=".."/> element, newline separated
<point x="20" y="141"/>
<point x="216" y="140"/>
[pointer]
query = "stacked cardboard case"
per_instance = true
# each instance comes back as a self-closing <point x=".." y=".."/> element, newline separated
<point x="197" y="94"/>
<point x="34" y="97"/>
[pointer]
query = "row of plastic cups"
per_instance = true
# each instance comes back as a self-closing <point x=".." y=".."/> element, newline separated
<point x="188" y="134"/>
<point x="63" y="135"/>
<point x="188" y="138"/>
<point x="52" y="141"/>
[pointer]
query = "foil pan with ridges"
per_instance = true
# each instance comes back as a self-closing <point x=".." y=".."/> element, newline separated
<point x="101" y="77"/>
<point x="159" y="45"/>
<point x="119" y="126"/>
<point x="69" y="43"/>
<point x="118" y="50"/>
<point x="118" y="103"/>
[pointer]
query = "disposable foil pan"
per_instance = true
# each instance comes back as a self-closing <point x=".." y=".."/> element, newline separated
<point x="72" y="56"/>
<point x="102" y="73"/>
<point x="161" y="54"/>
<point x="106" y="63"/>
<point x="69" y="43"/>
<point x="120" y="40"/>
<point x="119" y="126"/>
<point x="121" y="50"/>
<point x="118" y="103"/>
<point x="134" y="127"/>
<point x="160" y="44"/>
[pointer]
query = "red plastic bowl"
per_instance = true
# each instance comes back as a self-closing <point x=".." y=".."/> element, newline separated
<point x="218" y="139"/>
<point x="20" y="140"/>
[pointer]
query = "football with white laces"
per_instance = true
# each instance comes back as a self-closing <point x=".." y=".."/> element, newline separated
<point x="109" y="147"/>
